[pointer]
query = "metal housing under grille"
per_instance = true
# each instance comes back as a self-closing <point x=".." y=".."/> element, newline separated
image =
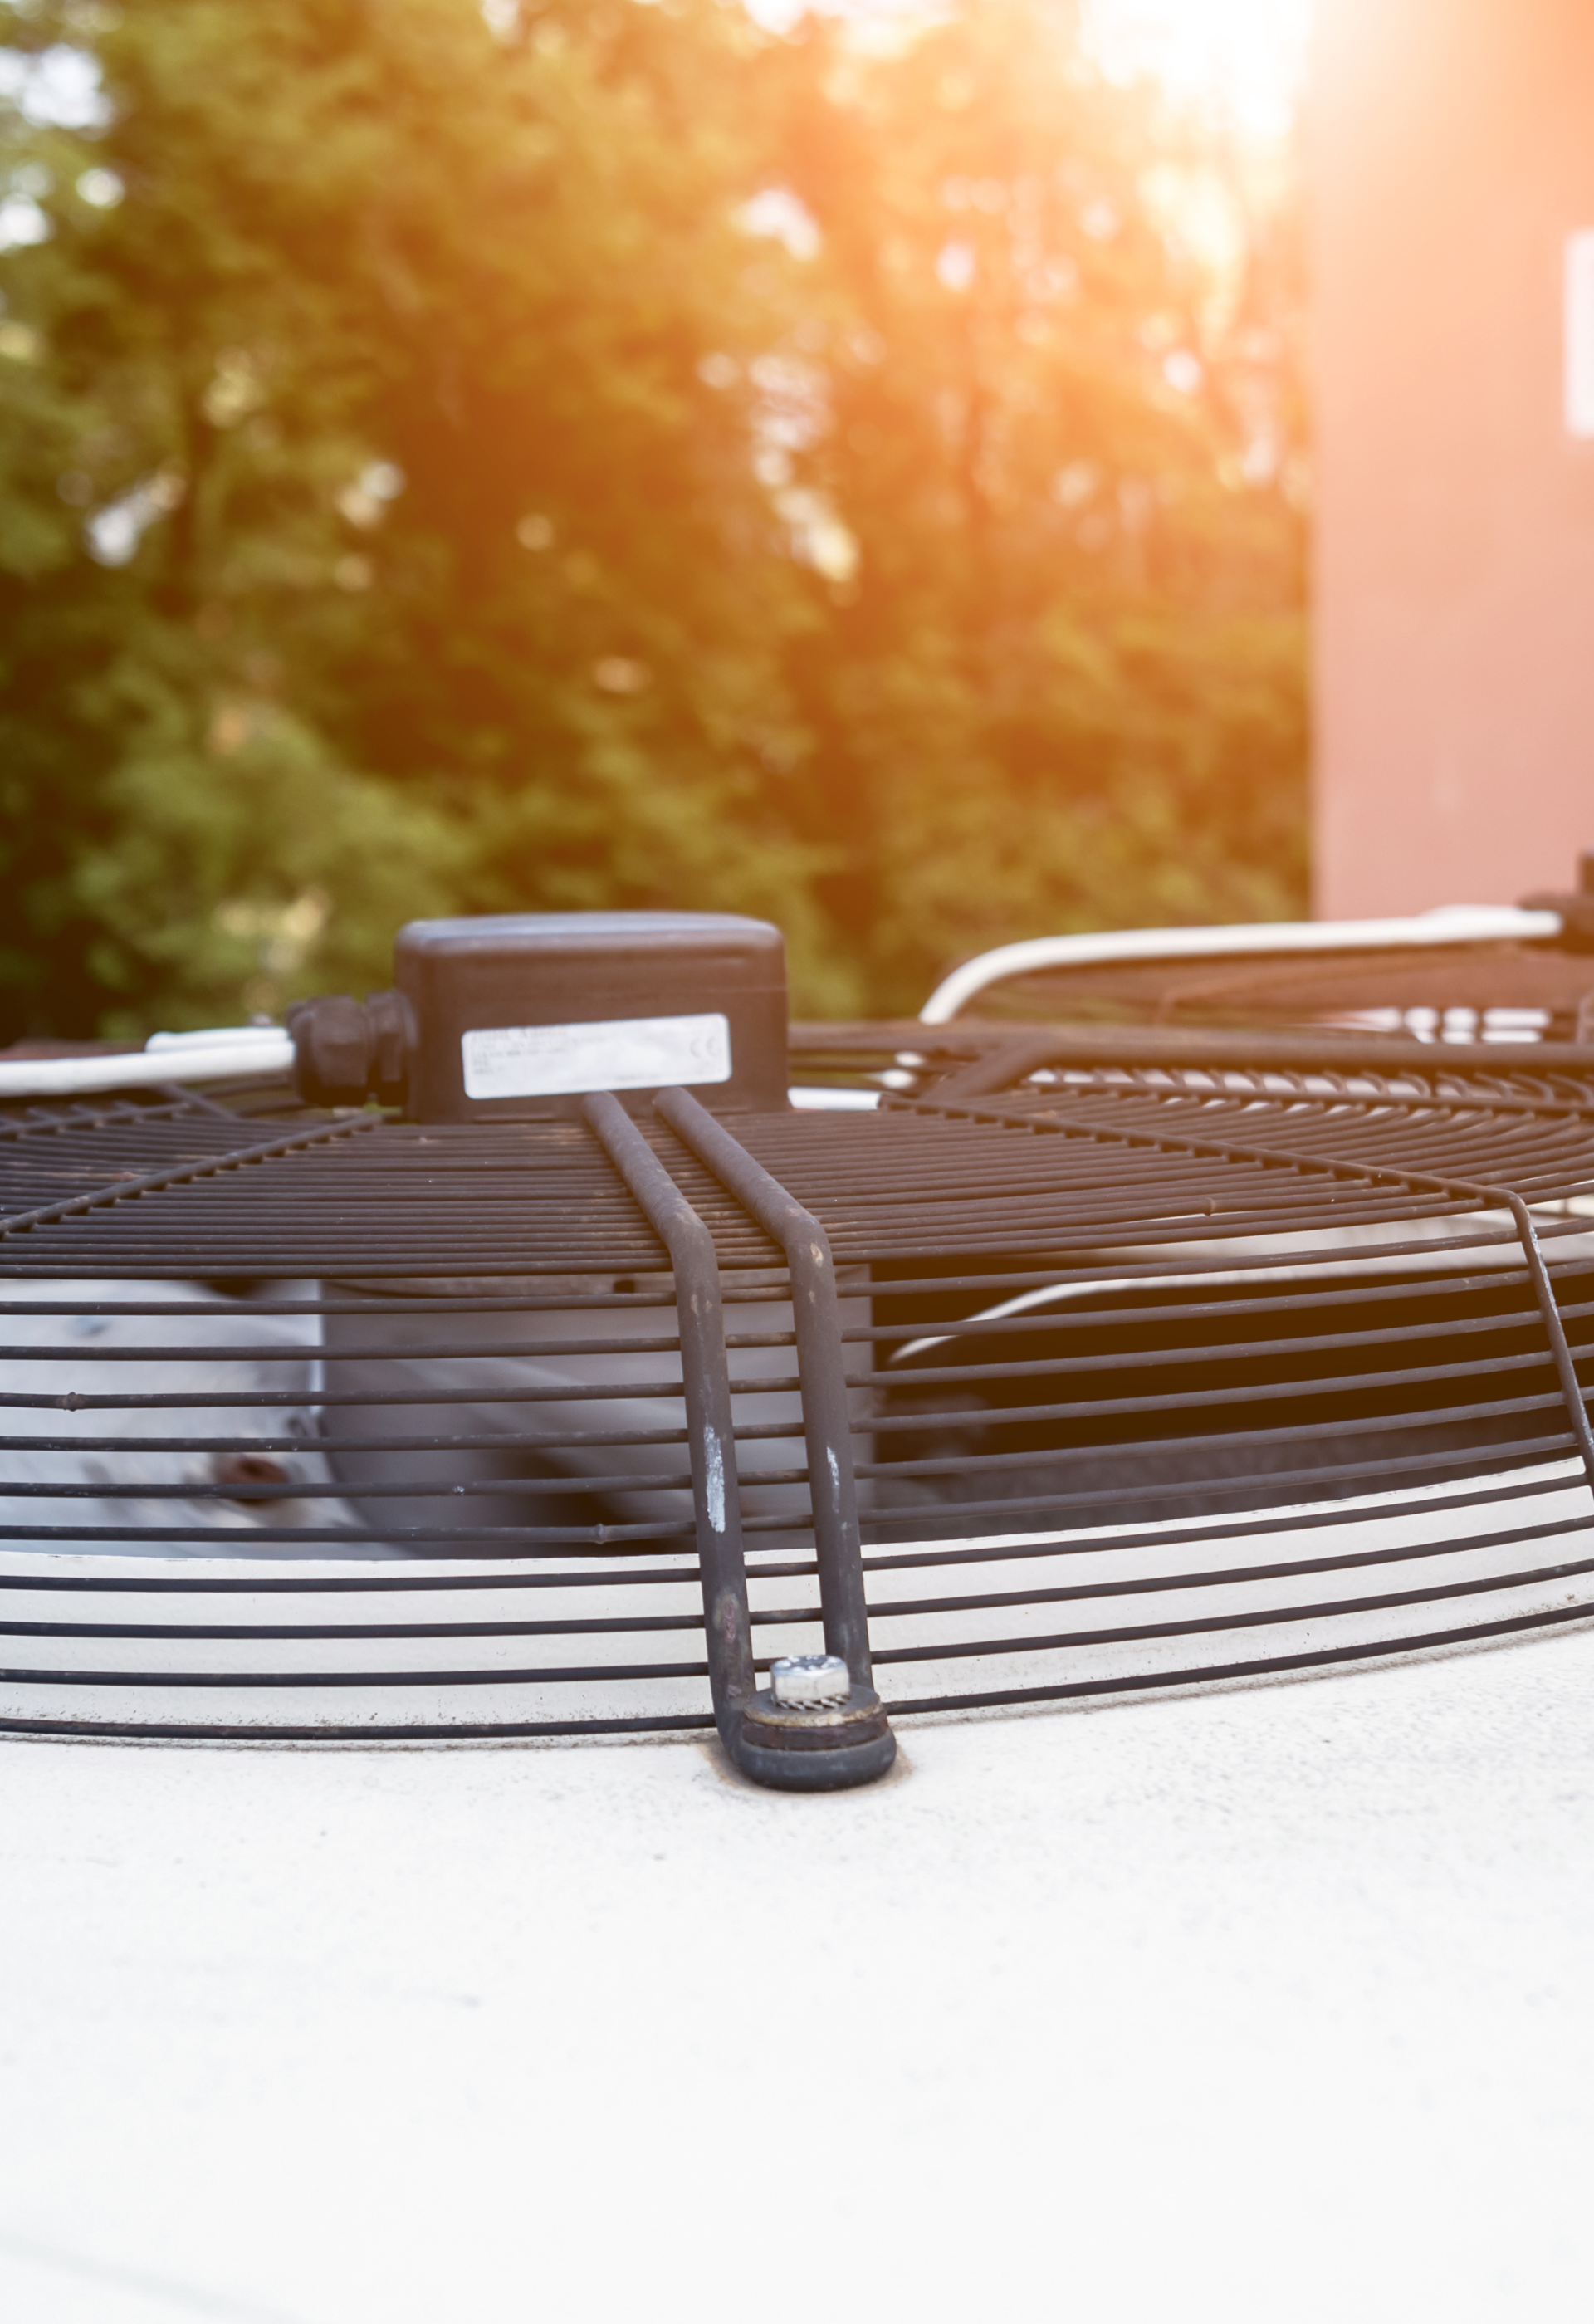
<point x="1143" y="1375"/>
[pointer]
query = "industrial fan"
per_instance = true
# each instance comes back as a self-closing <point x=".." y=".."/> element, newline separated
<point x="529" y="1362"/>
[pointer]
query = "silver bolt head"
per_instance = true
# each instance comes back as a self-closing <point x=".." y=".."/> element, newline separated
<point x="810" y="1682"/>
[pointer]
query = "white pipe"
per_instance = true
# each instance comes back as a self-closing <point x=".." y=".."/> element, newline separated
<point x="1448" y="924"/>
<point x="238" y="1036"/>
<point x="233" y="1053"/>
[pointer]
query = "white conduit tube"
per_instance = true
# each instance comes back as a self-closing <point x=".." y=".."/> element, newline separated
<point x="239" y="1052"/>
<point x="232" y="1053"/>
<point x="1449" y="923"/>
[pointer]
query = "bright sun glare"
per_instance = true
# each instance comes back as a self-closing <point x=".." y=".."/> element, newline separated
<point x="1249" y="55"/>
<point x="1246" y="57"/>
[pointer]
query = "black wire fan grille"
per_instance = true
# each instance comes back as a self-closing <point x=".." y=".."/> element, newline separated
<point x="1150" y="1374"/>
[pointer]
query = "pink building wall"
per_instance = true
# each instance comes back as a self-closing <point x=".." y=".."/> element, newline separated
<point x="1455" y="561"/>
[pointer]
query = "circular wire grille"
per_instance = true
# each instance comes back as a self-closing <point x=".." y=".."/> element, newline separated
<point x="1157" y="1375"/>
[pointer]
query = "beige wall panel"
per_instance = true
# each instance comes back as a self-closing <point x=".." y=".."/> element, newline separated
<point x="1455" y="561"/>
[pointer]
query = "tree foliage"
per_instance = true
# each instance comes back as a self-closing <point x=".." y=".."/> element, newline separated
<point x="618" y="455"/>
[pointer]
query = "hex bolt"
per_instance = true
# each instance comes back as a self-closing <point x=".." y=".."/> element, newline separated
<point x="810" y="1682"/>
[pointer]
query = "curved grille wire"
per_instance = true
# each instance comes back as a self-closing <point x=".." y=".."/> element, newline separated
<point x="380" y="1433"/>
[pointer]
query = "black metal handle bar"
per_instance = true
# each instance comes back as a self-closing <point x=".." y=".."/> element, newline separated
<point x="794" y="1750"/>
<point x="849" y="1741"/>
<point x="822" y="1369"/>
<point x="710" y="1424"/>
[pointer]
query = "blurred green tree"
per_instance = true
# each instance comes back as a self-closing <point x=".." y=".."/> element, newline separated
<point x="1058" y="358"/>
<point x="463" y="459"/>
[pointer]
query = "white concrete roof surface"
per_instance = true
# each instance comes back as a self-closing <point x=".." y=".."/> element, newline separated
<point x="1271" y="2004"/>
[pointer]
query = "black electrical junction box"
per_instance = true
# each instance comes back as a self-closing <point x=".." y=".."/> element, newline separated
<point x="517" y="1016"/>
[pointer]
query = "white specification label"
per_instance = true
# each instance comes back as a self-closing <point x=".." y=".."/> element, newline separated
<point x="614" y="1053"/>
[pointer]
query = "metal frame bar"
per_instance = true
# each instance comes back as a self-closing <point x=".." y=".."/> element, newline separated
<point x="710" y="1422"/>
<point x="964" y="1044"/>
<point x="822" y="1368"/>
<point x="851" y="1743"/>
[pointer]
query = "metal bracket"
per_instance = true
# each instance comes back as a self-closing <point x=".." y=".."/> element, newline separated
<point x="790" y="1750"/>
<point x="853" y="1743"/>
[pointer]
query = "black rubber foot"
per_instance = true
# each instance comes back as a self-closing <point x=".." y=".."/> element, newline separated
<point x="815" y="1750"/>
